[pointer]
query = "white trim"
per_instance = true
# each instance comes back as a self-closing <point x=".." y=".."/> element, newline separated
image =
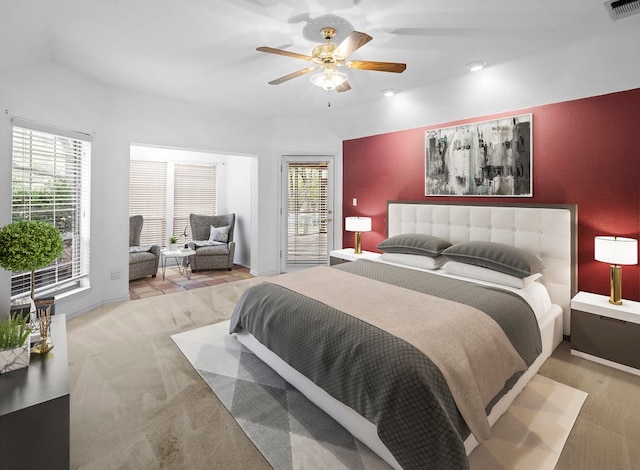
<point x="49" y="129"/>
<point x="285" y="159"/>
<point x="605" y="362"/>
<point x="37" y="146"/>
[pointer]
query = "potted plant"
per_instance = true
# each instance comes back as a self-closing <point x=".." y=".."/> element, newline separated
<point x="29" y="245"/>
<point x="14" y="347"/>
<point x="173" y="243"/>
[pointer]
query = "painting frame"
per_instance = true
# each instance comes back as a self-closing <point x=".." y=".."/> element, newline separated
<point x="491" y="158"/>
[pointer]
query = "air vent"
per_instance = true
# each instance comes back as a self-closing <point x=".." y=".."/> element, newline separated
<point x="619" y="9"/>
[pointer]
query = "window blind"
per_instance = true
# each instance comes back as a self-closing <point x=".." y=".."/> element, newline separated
<point x="165" y="193"/>
<point x="148" y="198"/>
<point x="307" y="212"/>
<point x="194" y="192"/>
<point x="50" y="178"/>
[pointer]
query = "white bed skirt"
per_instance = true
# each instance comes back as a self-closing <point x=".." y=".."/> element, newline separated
<point x="364" y="430"/>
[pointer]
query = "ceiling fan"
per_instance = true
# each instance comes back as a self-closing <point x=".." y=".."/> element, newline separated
<point x="329" y="56"/>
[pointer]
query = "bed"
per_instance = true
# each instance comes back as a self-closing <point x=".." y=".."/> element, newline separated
<point x="421" y="401"/>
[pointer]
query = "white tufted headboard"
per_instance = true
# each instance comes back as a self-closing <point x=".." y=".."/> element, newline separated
<point x="548" y="231"/>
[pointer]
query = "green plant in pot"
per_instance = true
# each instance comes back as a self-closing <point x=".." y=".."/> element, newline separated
<point x="27" y="246"/>
<point x="173" y="242"/>
<point x="14" y="347"/>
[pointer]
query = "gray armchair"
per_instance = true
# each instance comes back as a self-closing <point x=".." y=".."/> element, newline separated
<point x="211" y="254"/>
<point x="143" y="260"/>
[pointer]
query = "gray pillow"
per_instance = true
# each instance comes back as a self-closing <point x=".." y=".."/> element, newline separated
<point x="497" y="256"/>
<point x="219" y="234"/>
<point x="414" y="244"/>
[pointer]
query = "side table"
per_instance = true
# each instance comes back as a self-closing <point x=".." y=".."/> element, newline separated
<point x="606" y="333"/>
<point x="34" y="408"/>
<point x="347" y="255"/>
<point x="179" y="256"/>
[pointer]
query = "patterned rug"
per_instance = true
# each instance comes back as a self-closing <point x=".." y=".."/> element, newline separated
<point x="292" y="433"/>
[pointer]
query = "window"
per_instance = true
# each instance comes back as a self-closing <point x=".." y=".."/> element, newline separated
<point x="50" y="182"/>
<point x="166" y="192"/>
<point x="148" y="198"/>
<point x="307" y="206"/>
<point x="194" y="193"/>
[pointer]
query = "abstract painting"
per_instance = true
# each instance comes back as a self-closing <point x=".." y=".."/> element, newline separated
<point x="488" y="158"/>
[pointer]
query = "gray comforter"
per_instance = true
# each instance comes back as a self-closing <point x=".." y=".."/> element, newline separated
<point x="385" y="378"/>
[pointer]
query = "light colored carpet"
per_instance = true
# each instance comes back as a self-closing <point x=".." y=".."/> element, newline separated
<point x="137" y="403"/>
<point x="292" y="433"/>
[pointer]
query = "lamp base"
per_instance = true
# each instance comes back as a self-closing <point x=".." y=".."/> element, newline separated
<point x="615" y="282"/>
<point x="358" y="244"/>
<point x="42" y="346"/>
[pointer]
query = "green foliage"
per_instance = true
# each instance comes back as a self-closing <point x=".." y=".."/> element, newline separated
<point x="13" y="332"/>
<point x="29" y="245"/>
<point x="38" y="202"/>
<point x="173" y="239"/>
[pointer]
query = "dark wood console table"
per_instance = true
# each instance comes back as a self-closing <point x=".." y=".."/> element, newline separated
<point x="34" y="409"/>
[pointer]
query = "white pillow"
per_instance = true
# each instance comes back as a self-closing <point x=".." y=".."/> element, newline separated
<point x="417" y="261"/>
<point x="485" y="274"/>
<point x="139" y="249"/>
<point x="199" y="243"/>
<point x="219" y="234"/>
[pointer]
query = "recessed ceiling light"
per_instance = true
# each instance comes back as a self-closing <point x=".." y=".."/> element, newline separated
<point x="476" y="66"/>
<point x="389" y="92"/>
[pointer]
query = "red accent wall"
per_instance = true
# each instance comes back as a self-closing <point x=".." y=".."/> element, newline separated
<point x="585" y="152"/>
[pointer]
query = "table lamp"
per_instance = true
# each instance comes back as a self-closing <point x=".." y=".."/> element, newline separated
<point x="616" y="251"/>
<point x="358" y="225"/>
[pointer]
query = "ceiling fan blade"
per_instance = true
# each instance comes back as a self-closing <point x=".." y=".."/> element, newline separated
<point x="344" y="86"/>
<point x="272" y="50"/>
<point x="352" y="43"/>
<point x="285" y="78"/>
<point x="395" y="67"/>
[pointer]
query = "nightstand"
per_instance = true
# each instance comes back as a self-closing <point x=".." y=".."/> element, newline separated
<point x="347" y="255"/>
<point x="34" y="398"/>
<point x="606" y="333"/>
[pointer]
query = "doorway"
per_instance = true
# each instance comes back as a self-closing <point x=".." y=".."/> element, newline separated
<point x="307" y="211"/>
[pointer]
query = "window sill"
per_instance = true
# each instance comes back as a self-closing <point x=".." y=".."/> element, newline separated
<point x="61" y="296"/>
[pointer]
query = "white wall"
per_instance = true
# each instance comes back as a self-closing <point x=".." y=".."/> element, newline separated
<point x="5" y="197"/>
<point x="239" y="201"/>
<point x="54" y="95"/>
<point x="595" y="66"/>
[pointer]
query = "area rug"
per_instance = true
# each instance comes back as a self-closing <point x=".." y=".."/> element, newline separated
<point x="292" y="433"/>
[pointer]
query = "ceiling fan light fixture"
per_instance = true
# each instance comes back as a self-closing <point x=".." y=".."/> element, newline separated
<point x="329" y="79"/>
<point x="476" y="66"/>
<point x="389" y="92"/>
<point x="327" y="57"/>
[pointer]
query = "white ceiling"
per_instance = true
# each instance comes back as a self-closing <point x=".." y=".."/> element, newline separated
<point x="204" y="51"/>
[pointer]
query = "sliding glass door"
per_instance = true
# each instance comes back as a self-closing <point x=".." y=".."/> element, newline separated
<point x="307" y="211"/>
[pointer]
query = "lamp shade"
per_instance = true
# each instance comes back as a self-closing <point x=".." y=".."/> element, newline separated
<point x="616" y="250"/>
<point x="358" y="224"/>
